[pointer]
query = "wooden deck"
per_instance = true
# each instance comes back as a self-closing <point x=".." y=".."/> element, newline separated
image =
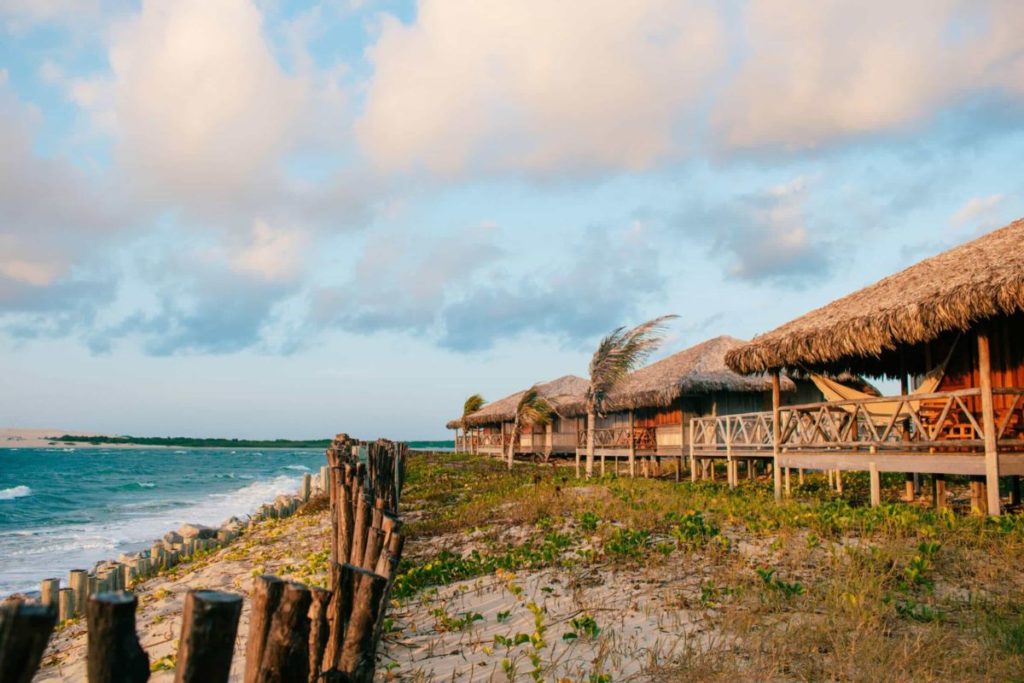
<point x="939" y="433"/>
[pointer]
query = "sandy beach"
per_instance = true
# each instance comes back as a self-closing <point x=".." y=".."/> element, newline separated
<point x="19" y="437"/>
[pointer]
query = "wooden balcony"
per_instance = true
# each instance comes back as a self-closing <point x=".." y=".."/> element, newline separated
<point x="617" y="439"/>
<point x="939" y="432"/>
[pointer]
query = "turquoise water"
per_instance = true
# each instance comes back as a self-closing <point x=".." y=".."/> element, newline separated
<point x="63" y="509"/>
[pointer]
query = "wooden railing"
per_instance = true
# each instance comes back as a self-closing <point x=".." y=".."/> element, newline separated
<point x="644" y="438"/>
<point x="941" y="421"/>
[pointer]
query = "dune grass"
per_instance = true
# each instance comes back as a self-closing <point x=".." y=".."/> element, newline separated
<point x="818" y="588"/>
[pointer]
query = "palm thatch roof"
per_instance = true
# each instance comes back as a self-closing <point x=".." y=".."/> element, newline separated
<point x="557" y="392"/>
<point x="865" y="331"/>
<point x="699" y="369"/>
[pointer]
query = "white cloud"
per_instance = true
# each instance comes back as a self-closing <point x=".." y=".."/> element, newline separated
<point x="977" y="210"/>
<point x="538" y="85"/>
<point x="201" y="109"/>
<point x="822" y="70"/>
<point x="272" y="254"/>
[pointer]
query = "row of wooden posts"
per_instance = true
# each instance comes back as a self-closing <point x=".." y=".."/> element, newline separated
<point x="297" y="633"/>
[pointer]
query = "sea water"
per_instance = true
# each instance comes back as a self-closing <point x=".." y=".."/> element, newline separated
<point x="68" y="508"/>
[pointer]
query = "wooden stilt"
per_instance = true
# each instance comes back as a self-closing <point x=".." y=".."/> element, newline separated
<point x="632" y="447"/>
<point x="939" y="491"/>
<point x="839" y="482"/>
<point x="776" y="433"/>
<point x="988" y="424"/>
<point x="908" y="488"/>
<point x="876" y="484"/>
<point x="787" y="481"/>
<point x="800" y="476"/>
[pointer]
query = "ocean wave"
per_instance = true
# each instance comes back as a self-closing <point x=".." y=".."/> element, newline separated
<point x="15" y="492"/>
<point x="300" y="468"/>
<point x="146" y="484"/>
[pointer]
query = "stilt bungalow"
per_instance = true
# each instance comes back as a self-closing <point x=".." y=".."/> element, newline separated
<point x="950" y="329"/>
<point x="491" y="427"/>
<point x="649" y="416"/>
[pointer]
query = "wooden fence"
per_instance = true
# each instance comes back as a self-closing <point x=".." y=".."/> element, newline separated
<point x="297" y="633"/>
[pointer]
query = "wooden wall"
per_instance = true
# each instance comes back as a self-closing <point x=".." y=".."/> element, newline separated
<point x="1006" y="344"/>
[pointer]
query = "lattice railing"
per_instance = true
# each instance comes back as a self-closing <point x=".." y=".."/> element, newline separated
<point x="644" y="438"/>
<point x="941" y="421"/>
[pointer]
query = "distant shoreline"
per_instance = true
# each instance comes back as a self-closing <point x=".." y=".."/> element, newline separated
<point x="42" y="438"/>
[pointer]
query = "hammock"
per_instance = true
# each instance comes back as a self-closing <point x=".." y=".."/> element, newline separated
<point x="834" y="391"/>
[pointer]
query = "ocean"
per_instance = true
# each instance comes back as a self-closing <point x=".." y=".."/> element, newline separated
<point x="68" y="508"/>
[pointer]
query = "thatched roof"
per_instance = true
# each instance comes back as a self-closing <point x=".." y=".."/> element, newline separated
<point x="942" y="294"/>
<point x="557" y="392"/>
<point x="699" y="369"/>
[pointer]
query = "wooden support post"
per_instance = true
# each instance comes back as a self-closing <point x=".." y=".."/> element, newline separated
<point x="266" y="594"/>
<point x="209" y="625"/>
<point x="113" y="651"/>
<point x="979" y="499"/>
<point x="776" y="434"/>
<point x="831" y="479"/>
<point x="788" y="489"/>
<point x="988" y="423"/>
<point x="730" y="473"/>
<point x="24" y="632"/>
<point x="286" y="654"/>
<point x="939" y="491"/>
<point x="800" y="477"/>
<point x="908" y="487"/>
<point x="632" y="447"/>
<point x="693" y="458"/>
<point x="876" y="484"/>
<point x="839" y="482"/>
<point x="682" y="442"/>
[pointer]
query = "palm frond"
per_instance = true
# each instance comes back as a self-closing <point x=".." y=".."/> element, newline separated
<point x="472" y="404"/>
<point x="621" y="352"/>
<point x="533" y="408"/>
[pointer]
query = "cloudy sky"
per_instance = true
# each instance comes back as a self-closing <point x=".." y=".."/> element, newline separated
<point x="267" y="218"/>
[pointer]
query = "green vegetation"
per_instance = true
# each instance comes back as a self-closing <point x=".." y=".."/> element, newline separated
<point x="821" y="587"/>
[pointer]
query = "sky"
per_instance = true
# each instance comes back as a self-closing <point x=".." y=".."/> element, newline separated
<point x="261" y="218"/>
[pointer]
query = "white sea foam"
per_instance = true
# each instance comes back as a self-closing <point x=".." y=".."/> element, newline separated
<point x="146" y="484"/>
<point x="55" y="550"/>
<point x="15" y="492"/>
<point x="300" y="468"/>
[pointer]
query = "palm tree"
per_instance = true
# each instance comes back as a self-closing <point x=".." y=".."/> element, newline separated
<point x="472" y="404"/>
<point x="616" y="356"/>
<point x="532" y="409"/>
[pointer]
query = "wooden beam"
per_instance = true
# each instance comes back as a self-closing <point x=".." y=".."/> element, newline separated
<point x="632" y="447"/>
<point x="776" y="434"/>
<point x="876" y="488"/>
<point x="988" y="423"/>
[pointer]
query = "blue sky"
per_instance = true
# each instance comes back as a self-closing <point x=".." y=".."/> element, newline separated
<point x="265" y="218"/>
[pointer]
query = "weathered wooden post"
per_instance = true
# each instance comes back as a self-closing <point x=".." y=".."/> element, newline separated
<point x="266" y="594"/>
<point x="65" y="604"/>
<point x="78" y="580"/>
<point x="306" y="488"/>
<point x="114" y="654"/>
<point x="286" y="653"/>
<point x="48" y="592"/>
<point x="208" y="629"/>
<point x="776" y="433"/>
<point x="988" y="424"/>
<point x="319" y="630"/>
<point x="876" y="484"/>
<point x="24" y="631"/>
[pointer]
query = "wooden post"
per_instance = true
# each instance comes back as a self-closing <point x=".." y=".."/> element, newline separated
<point x="65" y="604"/>
<point x="549" y="440"/>
<point x="800" y="476"/>
<point x="49" y="590"/>
<point x="839" y="482"/>
<point x="24" y="632"/>
<point x="266" y="594"/>
<point x="286" y="654"/>
<point x="876" y="484"/>
<point x="359" y="653"/>
<point x="78" y="580"/>
<point x="307" y="487"/>
<point x="939" y="491"/>
<point x="776" y="434"/>
<point x="787" y="481"/>
<point x="338" y="611"/>
<point x="113" y="651"/>
<point x="682" y="441"/>
<point x="730" y="474"/>
<point x="632" y="447"/>
<point x="908" y="487"/>
<point x="693" y="458"/>
<point x="209" y="625"/>
<point x="319" y="630"/>
<point x="908" y="482"/>
<point x="988" y="423"/>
